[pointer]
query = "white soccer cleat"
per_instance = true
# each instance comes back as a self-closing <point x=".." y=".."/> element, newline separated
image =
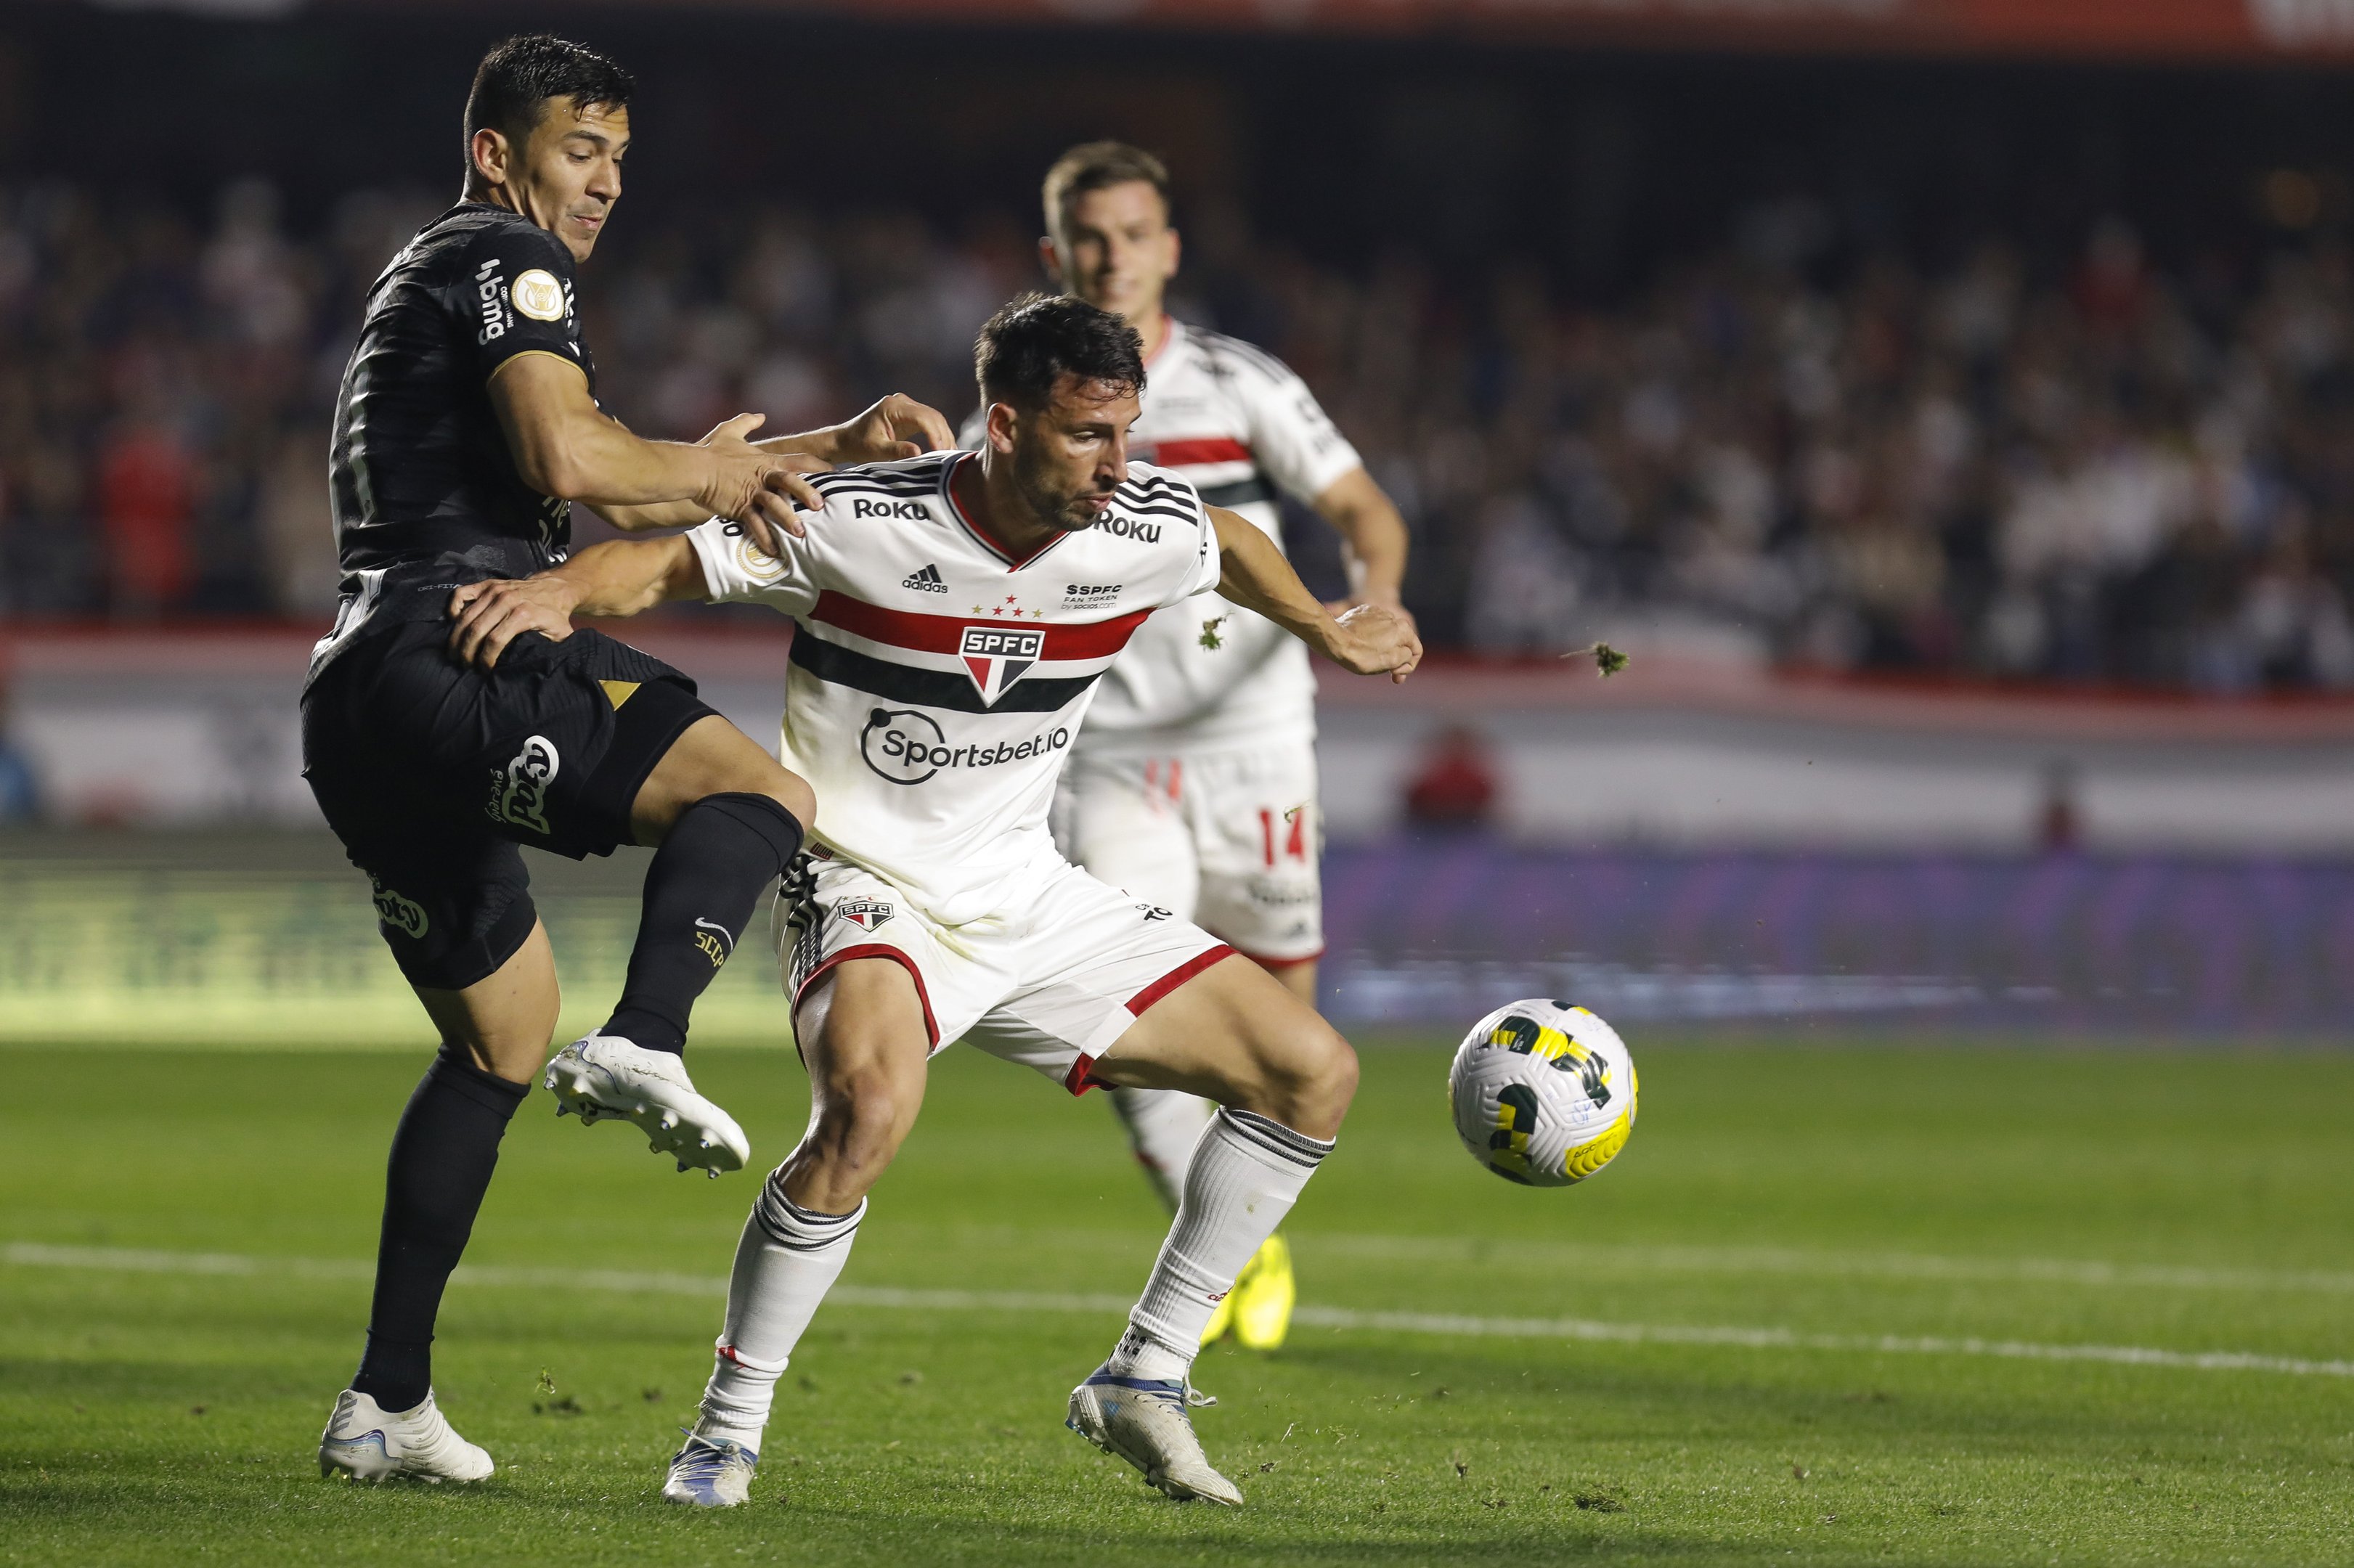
<point x="710" y="1472"/>
<point x="368" y="1443"/>
<point x="605" y="1076"/>
<point x="1144" y="1422"/>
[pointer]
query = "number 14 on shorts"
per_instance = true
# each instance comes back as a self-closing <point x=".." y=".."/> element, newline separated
<point x="1289" y="829"/>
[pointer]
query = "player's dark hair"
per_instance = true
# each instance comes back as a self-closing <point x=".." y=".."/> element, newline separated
<point x="517" y="79"/>
<point x="1092" y="165"/>
<point x="1032" y="343"/>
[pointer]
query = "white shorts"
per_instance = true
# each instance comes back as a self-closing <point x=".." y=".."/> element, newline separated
<point x="1049" y="984"/>
<point x="1229" y="839"/>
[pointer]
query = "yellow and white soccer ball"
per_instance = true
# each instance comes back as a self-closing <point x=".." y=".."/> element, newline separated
<point x="1543" y="1092"/>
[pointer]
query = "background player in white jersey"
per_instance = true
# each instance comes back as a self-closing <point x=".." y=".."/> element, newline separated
<point x="1194" y="783"/>
<point x="954" y="615"/>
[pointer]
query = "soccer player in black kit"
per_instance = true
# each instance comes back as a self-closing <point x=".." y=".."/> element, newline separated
<point x="466" y="427"/>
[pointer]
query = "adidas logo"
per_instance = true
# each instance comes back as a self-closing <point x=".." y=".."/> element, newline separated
<point x="925" y="581"/>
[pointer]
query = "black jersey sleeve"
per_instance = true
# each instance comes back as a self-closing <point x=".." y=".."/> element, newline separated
<point x="516" y="293"/>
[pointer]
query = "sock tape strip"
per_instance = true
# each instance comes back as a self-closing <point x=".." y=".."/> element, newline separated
<point x="1274" y="1138"/>
<point x="734" y="1357"/>
<point x="801" y="1230"/>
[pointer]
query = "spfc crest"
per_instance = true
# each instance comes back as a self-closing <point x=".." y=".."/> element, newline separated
<point x="995" y="656"/>
<point x="864" y="913"/>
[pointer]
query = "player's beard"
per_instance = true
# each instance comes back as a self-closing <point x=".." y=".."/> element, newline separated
<point x="1049" y="502"/>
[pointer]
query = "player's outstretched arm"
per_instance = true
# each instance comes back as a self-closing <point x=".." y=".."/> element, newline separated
<point x="897" y="427"/>
<point x="566" y="447"/>
<point x="1372" y="638"/>
<point x="622" y="577"/>
<point x="1372" y="536"/>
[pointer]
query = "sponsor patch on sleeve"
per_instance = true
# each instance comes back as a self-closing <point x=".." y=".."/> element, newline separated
<point x="538" y="295"/>
<point x="756" y="563"/>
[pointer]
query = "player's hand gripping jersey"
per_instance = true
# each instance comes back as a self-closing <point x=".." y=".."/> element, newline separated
<point x="1235" y="424"/>
<point x="937" y="685"/>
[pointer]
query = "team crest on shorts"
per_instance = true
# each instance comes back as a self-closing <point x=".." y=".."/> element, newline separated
<point x="865" y="913"/>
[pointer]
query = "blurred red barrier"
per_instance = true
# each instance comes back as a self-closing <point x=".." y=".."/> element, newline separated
<point x="1446" y="684"/>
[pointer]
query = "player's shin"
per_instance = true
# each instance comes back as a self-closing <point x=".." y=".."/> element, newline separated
<point x="714" y="865"/>
<point x="443" y="1153"/>
<point x="788" y="1259"/>
<point x="1247" y="1173"/>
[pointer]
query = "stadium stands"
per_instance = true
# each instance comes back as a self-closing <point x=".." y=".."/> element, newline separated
<point x="2100" y="471"/>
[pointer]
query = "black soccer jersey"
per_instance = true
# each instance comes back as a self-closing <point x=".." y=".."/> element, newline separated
<point x="421" y="473"/>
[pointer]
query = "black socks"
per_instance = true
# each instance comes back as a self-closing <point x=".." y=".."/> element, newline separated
<point x="723" y="852"/>
<point x="719" y="857"/>
<point x="443" y="1157"/>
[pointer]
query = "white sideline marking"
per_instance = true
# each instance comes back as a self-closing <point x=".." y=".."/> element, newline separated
<point x="1843" y="1265"/>
<point x="29" y="1254"/>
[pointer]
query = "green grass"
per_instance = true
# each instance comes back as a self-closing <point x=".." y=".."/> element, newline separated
<point x="155" y="1416"/>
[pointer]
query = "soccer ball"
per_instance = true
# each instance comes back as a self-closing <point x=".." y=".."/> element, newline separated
<point x="1543" y="1092"/>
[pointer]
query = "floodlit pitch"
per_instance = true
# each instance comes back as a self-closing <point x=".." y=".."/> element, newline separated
<point x="1931" y="1304"/>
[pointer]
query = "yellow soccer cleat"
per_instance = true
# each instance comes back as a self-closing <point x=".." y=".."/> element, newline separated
<point x="1224" y="1318"/>
<point x="1262" y="1297"/>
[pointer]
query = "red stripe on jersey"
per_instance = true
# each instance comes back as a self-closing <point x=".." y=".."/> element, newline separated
<point x="945" y="633"/>
<point x="1194" y="453"/>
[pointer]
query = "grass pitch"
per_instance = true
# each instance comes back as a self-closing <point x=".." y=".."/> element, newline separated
<point x="1829" y="1307"/>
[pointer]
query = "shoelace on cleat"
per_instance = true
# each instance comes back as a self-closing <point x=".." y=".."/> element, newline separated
<point x="711" y="1454"/>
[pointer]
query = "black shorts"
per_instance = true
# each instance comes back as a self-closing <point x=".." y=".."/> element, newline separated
<point x="431" y="773"/>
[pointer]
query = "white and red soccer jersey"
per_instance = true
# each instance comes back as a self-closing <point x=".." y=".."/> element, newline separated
<point x="936" y="685"/>
<point x="1237" y="424"/>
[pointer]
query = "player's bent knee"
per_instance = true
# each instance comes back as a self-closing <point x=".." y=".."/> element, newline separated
<point x="711" y="757"/>
<point x="793" y="793"/>
<point x="764" y="776"/>
<point x="865" y="1117"/>
<point x="1328" y="1084"/>
<point x="517" y="1061"/>
<point x="1305" y="1079"/>
<point x="1341" y="1072"/>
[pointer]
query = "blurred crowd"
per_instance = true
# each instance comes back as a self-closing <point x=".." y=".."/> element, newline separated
<point x="2082" y="467"/>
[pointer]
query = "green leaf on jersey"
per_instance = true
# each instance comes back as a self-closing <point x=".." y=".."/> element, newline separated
<point x="1210" y="638"/>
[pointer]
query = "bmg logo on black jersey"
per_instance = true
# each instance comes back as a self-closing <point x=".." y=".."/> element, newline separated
<point x="908" y="747"/>
<point x="490" y="291"/>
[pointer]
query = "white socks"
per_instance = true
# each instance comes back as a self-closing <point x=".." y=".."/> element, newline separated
<point x="1163" y="1126"/>
<point x="788" y="1259"/>
<point x="1247" y="1173"/>
<point x="1239" y="1179"/>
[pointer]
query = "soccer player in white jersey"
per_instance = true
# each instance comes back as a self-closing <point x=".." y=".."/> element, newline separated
<point x="1194" y="782"/>
<point x="955" y="613"/>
